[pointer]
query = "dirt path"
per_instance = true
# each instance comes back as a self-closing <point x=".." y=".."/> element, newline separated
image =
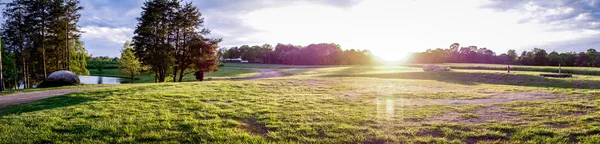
<point x="25" y="97"/>
<point x="264" y="73"/>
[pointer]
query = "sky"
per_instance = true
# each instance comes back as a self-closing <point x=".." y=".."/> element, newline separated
<point x="388" y="28"/>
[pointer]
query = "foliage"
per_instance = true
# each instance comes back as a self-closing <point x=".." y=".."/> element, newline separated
<point x="91" y="64"/>
<point x="537" y="57"/>
<point x="167" y="39"/>
<point x="130" y="65"/>
<point x="42" y="35"/>
<point x="99" y="65"/>
<point x="103" y="58"/>
<point x="9" y="71"/>
<point x="226" y="72"/>
<point x="313" y="54"/>
<point x="501" y="67"/>
<point x="79" y="59"/>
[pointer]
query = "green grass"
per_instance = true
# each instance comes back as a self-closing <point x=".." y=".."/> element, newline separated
<point x="107" y="64"/>
<point x="7" y="92"/>
<point x="224" y="73"/>
<point x="337" y="104"/>
<point x="459" y="95"/>
<point x="546" y="69"/>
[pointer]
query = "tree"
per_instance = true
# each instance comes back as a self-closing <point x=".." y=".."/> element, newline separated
<point x="555" y="59"/>
<point x="79" y="59"/>
<point x="205" y="57"/>
<point x="512" y="56"/>
<point x="151" y="42"/>
<point x="592" y="54"/>
<point x="129" y="64"/>
<point x="43" y="35"/>
<point x="540" y="57"/>
<point x="170" y="39"/>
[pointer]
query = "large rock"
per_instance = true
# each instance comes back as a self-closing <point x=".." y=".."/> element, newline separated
<point x="435" y="68"/>
<point x="60" y="78"/>
<point x="428" y="67"/>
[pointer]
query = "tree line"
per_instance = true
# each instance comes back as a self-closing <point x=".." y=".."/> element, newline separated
<point x="40" y="37"/>
<point x="536" y="57"/>
<point x="170" y="39"/>
<point x="313" y="54"/>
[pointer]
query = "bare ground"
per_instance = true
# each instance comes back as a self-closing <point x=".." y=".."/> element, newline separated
<point x="18" y="98"/>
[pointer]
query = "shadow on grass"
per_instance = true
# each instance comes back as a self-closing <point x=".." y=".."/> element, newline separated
<point x="55" y="102"/>
<point x="474" y="78"/>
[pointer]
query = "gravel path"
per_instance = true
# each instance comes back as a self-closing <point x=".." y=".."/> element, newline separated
<point x="25" y="97"/>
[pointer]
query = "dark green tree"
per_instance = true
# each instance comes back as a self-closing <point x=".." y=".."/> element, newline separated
<point x="42" y="35"/>
<point x="151" y="42"/>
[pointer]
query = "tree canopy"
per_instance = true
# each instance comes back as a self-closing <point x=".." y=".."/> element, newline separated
<point x="170" y="38"/>
<point x="537" y="56"/>
<point x="41" y="37"/>
<point x="313" y="54"/>
<point x="129" y="64"/>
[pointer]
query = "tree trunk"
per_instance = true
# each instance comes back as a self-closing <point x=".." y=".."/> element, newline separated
<point x="155" y="76"/>
<point x="199" y="75"/>
<point x="57" y="64"/>
<point x="132" y="76"/>
<point x="43" y="46"/>
<point x="175" y="73"/>
<point x="24" y="72"/>
<point x="162" y="76"/>
<point x="181" y="74"/>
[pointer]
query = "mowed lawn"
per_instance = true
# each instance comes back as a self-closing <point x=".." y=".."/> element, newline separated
<point x="501" y="67"/>
<point x="340" y="104"/>
<point x="225" y="72"/>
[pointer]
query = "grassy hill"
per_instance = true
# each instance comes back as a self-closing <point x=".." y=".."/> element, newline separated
<point x="338" y="104"/>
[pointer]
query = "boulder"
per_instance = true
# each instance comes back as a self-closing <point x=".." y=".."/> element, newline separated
<point x="428" y="67"/>
<point x="435" y="68"/>
<point x="60" y="78"/>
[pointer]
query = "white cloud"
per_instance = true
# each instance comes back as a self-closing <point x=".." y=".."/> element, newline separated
<point x="105" y="41"/>
<point x="386" y="27"/>
<point x="116" y="35"/>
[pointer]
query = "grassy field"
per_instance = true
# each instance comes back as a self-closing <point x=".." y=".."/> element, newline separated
<point x="359" y="104"/>
<point x="548" y="69"/>
<point x="7" y="92"/>
<point x="224" y="73"/>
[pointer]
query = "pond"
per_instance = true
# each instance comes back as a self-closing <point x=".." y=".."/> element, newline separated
<point x="89" y="80"/>
<point x="99" y="80"/>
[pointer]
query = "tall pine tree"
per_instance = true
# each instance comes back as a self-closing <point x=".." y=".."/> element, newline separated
<point x="43" y="35"/>
<point x="167" y="39"/>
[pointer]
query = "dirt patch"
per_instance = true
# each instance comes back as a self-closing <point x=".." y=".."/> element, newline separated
<point x="38" y="95"/>
<point x="253" y="127"/>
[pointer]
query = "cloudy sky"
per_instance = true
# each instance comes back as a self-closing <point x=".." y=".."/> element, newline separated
<point x="389" y="28"/>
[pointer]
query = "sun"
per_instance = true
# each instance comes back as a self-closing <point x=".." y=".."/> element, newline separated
<point x="391" y="55"/>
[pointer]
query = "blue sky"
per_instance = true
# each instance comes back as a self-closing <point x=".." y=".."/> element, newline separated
<point x="389" y="28"/>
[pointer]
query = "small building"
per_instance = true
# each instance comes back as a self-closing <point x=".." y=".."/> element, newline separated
<point x="228" y="60"/>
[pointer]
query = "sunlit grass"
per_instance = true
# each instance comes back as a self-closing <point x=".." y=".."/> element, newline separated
<point x="337" y="104"/>
<point x="224" y="73"/>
